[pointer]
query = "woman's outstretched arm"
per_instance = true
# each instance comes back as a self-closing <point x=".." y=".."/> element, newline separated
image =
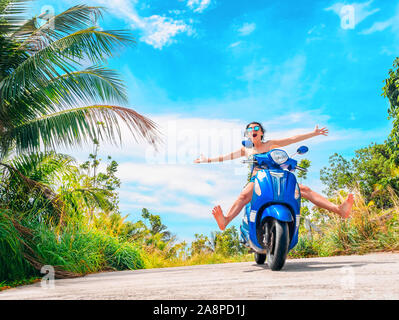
<point x="301" y="137"/>
<point x="231" y="156"/>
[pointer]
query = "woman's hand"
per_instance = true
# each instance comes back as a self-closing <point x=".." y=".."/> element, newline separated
<point x="201" y="159"/>
<point x="322" y="131"/>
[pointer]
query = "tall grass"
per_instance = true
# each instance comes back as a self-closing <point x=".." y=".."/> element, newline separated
<point x="13" y="265"/>
<point x="83" y="250"/>
<point x="368" y="229"/>
<point x="76" y="247"/>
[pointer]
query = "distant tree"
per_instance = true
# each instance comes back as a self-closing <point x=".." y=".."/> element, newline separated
<point x="339" y="174"/>
<point x="201" y="244"/>
<point x="227" y="242"/>
<point x="375" y="170"/>
<point x="156" y="226"/>
<point x="371" y="171"/>
<point x="134" y="231"/>
<point x="304" y="163"/>
<point x="103" y="182"/>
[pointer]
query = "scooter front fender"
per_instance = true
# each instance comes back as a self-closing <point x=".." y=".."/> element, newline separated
<point x="279" y="212"/>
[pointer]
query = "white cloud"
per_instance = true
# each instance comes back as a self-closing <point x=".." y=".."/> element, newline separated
<point x="132" y="196"/>
<point x="181" y="206"/>
<point x="190" y="179"/>
<point x="157" y="31"/>
<point x="316" y="33"/>
<point x="391" y="23"/>
<point x="198" y="5"/>
<point x="176" y="187"/>
<point x="235" y="44"/>
<point x="246" y="29"/>
<point x="160" y="31"/>
<point x="361" y="10"/>
<point x="379" y="26"/>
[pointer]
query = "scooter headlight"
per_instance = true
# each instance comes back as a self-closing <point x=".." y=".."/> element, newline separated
<point x="279" y="156"/>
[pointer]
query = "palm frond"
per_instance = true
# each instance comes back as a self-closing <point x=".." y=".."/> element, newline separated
<point x="93" y="197"/>
<point x="95" y="84"/>
<point x="10" y="20"/>
<point x="23" y="31"/>
<point x="78" y="125"/>
<point x="62" y="56"/>
<point x="10" y="58"/>
<point x="36" y="37"/>
<point x="44" y="167"/>
<point x="93" y="43"/>
<point x="12" y="15"/>
<point x="34" y="185"/>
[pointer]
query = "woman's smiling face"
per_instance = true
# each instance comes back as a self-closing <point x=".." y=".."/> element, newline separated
<point x="254" y="132"/>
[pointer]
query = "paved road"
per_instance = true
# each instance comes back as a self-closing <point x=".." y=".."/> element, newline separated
<point x="373" y="276"/>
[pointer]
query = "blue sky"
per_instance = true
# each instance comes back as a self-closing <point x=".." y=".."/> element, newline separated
<point x="203" y="69"/>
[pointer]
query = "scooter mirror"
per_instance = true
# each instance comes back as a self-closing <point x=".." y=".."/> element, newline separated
<point x="302" y="150"/>
<point x="247" y="143"/>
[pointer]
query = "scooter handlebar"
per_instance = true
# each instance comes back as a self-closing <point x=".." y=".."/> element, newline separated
<point x="249" y="161"/>
<point x="301" y="169"/>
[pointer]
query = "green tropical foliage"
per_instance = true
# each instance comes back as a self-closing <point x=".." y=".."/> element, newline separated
<point x="55" y="91"/>
<point x="304" y="163"/>
<point x="372" y="171"/>
<point x="338" y="175"/>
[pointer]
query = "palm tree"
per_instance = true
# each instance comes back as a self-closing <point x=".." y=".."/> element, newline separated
<point x="28" y="182"/>
<point x="157" y="228"/>
<point x="52" y="182"/>
<point x="47" y="99"/>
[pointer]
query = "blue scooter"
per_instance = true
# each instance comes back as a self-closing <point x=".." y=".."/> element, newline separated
<point x="271" y="220"/>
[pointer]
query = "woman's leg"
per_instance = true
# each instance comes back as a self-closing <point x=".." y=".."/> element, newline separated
<point x="244" y="198"/>
<point x="342" y="210"/>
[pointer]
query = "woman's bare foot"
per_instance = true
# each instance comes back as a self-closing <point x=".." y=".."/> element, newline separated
<point x="220" y="218"/>
<point x="346" y="207"/>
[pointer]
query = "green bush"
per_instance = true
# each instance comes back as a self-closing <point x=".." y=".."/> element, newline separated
<point x="305" y="248"/>
<point x="76" y="249"/>
<point x="121" y="255"/>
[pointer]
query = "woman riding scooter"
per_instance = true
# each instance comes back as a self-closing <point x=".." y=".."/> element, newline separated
<point x="255" y="132"/>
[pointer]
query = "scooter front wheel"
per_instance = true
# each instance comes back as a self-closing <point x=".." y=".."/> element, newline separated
<point x="277" y="253"/>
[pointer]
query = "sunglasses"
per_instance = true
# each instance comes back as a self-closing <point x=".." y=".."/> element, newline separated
<point x="257" y="128"/>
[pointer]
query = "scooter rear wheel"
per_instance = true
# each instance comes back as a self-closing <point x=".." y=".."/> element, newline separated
<point x="260" y="258"/>
<point x="277" y="254"/>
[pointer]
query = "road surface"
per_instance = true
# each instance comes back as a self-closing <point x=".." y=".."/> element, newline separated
<point x="372" y="276"/>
